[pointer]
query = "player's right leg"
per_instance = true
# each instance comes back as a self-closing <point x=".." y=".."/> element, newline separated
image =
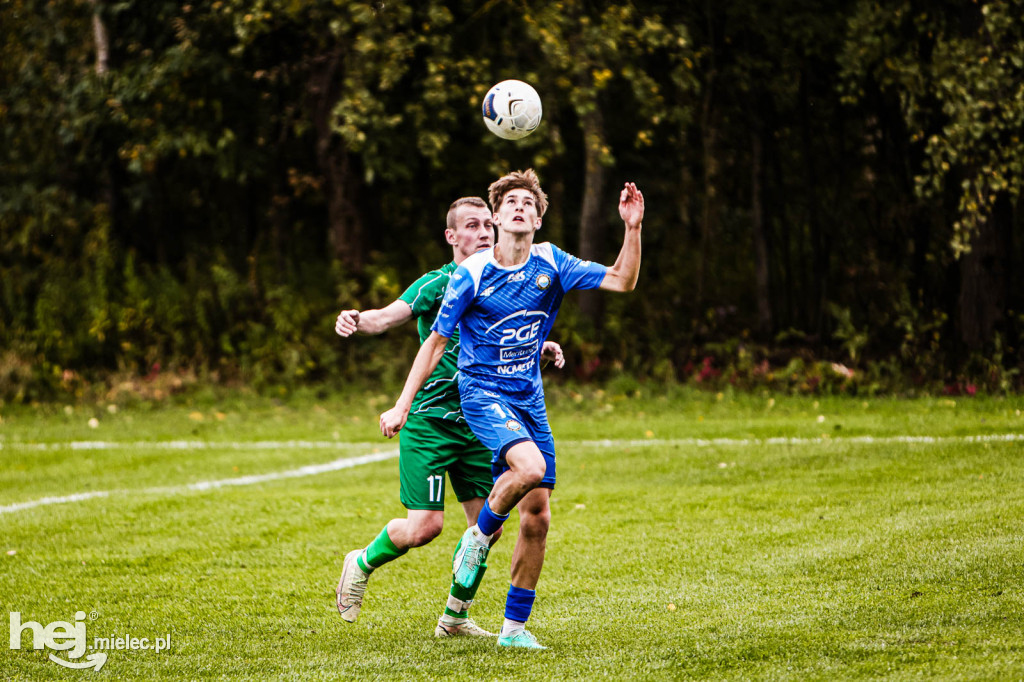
<point x="524" y="467"/>
<point x="422" y="479"/>
<point x="397" y="538"/>
<point x="518" y="466"/>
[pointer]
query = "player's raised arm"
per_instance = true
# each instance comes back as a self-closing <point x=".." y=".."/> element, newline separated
<point x="623" y="275"/>
<point x="392" y="421"/>
<point x="372" y="321"/>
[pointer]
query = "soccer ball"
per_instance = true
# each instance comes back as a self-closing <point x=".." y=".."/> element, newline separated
<point x="512" y="109"/>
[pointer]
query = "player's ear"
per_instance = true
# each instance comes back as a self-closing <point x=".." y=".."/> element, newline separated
<point x="449" y="236"/>
<point x="536" y="225"/>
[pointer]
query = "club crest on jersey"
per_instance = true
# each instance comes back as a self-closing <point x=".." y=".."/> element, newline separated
<point x="516" y="276"/>
<point x="543" y="282"/>
<point x="513" y="425"/>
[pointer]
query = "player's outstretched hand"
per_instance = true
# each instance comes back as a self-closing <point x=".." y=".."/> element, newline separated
<point x="552" y="352"/>
<point x="392" y="421"/>
<point x="631" y="206"/>
<point x="347" y="323"/>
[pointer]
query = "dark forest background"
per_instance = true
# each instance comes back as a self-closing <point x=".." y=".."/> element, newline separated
<point x="192" y="191"/>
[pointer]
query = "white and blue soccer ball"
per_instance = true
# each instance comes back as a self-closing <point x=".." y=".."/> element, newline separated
<point x="512" y="109"/>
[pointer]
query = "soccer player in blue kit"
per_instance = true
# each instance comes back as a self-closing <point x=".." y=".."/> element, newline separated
<point x="504" y="301"/>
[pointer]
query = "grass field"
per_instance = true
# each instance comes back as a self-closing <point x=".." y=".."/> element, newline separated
<point x="693" y="536"/>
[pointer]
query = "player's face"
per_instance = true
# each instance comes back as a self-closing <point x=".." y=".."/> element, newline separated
<point x="518" y="212"/>
<point x="474" y="230"/>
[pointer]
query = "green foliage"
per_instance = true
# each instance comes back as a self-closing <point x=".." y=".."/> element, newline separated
<point x="959" y="75"/>
<point x="853" y="339"/>
<point x="242" y="170"/>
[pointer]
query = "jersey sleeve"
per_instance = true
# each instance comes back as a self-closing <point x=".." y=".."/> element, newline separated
<point x="460" y="293"/>
<point x="424" y="292"/>
<point x="575" y="273"/>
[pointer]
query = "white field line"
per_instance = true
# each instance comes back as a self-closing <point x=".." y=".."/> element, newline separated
<point x="858" y="440"/>
<point x="349" y="462"/>
<point x="309" y="470"/>
<point x="334" y="445"/>
<point x="180" y="445"/>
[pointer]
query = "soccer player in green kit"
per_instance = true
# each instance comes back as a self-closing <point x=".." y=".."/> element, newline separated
<point x="436" y="439"/>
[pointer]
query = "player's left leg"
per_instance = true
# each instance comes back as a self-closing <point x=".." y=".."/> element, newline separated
<point x="527" y="561"/>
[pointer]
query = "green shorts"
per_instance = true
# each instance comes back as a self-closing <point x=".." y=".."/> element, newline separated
<point x="428" y="448"/>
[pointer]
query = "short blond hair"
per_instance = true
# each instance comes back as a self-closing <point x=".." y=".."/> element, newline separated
<point x="527" y="180"/>
<point x="464" y="201"/>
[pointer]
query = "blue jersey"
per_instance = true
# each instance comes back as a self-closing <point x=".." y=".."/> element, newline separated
<point x="505" y="314"/>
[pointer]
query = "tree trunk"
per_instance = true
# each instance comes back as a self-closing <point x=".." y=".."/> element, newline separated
<point x="820" y="239"/>
<point x="592" y="224"/>
<point x="709" y="138"/>
<point x="983" y="278"/>
<point x="764" y="301"/>
<point x="99" y="32"/>
<point x="345" y="228"/>
<point x="109" y="164"/>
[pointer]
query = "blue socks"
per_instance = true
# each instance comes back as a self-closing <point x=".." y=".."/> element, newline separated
<point x="519" y="603"/>
<point x="488" y="522"/>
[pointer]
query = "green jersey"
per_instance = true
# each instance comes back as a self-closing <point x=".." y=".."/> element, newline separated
<point x="439" y="396"/>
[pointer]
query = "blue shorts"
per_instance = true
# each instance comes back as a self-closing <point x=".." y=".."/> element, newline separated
<point x="500" y="424"/>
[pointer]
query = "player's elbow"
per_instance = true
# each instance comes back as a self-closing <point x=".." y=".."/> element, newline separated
<point x="436" y="344"/>
<point x="619" y="283"/>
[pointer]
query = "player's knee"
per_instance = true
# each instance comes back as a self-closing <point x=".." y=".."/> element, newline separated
<point x="535" y="525"/>
<point x="528" y="464"/>
<point x="532" y="474"/>
<point x="425" y="530"/>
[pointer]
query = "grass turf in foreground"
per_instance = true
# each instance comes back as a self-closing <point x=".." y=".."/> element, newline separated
<point x="818" y="559"/>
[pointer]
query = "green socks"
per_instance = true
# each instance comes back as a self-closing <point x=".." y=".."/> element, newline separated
<point x="379" y="552"/>
<point x="382" y="550"/>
